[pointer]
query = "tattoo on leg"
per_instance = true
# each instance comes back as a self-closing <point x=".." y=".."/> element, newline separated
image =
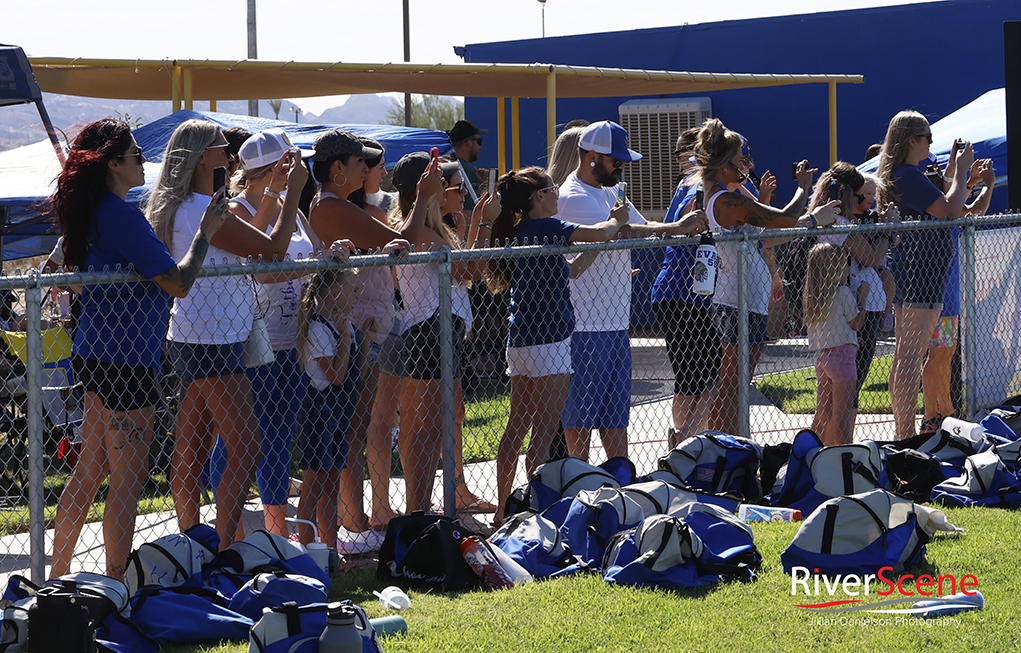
<point x="127" y="433"/>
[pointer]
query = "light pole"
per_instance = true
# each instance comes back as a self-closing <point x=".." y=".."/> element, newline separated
<point x="543" y="3"/>
<point x="253" y="105"/>
<point x="407" y="58"/>
<point x="297" y="112"/>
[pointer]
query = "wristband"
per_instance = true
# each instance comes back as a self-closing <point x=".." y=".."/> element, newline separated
<point x="487" y="225"/>
<point x="267" y="192"/>
<point x="815" y="223"/>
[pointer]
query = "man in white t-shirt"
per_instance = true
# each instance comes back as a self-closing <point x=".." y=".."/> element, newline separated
<point x="600" y="392"/>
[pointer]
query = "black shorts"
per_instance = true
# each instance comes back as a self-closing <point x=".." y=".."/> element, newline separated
<point x="422" y="348"/>
<point x="692" y="344"/>
<point x="120" y="387"/>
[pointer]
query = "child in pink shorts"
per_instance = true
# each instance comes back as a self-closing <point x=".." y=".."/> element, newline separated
<point x="833" y="317"/>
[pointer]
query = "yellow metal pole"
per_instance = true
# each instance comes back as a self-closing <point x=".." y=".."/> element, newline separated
<point x="175" y="87"/>
<point x="212" y="105"/>
<point x="189" y="102"/>
<point x="515" y="135"/>
<point x="501" y="135"/>
<point x="551" y="111"/>
<point x="833" y="123"/>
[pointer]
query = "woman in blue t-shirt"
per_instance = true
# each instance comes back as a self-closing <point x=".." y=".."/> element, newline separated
<point x="921" y="261"/>
<point x="119" y="341"/>
<point x="541" y="314"/>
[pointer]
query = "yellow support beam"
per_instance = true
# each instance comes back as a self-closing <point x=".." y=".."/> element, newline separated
<point x="501" y="135"/>
<point x="515" y="135"/>
<point x="186" y="83"/>
<point x="551" y="111"/>
<point x="212" y="105"/>
<point x="833" y="123"/>
<point x="175" y="88"/>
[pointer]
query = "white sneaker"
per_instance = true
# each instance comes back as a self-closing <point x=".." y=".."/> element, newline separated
<point x="352" y="543"/>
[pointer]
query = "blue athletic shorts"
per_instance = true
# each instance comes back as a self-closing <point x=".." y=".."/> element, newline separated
<point x="600" y="393"/>
<point x="323" y="424"/>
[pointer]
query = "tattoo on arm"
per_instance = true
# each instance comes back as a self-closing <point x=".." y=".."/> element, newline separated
<point x="185" y="272"/>
<point x="760" y="215"/>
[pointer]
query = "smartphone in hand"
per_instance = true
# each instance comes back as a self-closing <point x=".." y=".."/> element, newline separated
<point x="699" y="200"/>
<point x="794" y="170"/>
<point x="493" y="174"/>
<point x="219" y="178"/>
<point x="834" y="190"/>
<point x="621" y="193"/>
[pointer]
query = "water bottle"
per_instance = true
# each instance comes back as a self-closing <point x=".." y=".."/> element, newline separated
<point x="485" y="564"/>
<point x="321" y="554"/>
<point x="341" y="635"/>
<point x="389" y="625"/>
<point x="749" y="513"/>
<point x="703" y="275"/>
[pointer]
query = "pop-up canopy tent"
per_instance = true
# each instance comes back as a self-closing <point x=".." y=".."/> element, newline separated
<point x="28" y="172"/>
<point x="983" y="122"/>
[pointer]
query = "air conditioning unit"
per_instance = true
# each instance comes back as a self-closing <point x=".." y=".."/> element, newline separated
<point x="653" y="127"/>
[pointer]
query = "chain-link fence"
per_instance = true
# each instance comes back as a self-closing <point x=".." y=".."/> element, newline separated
<point x="422" y="427"/>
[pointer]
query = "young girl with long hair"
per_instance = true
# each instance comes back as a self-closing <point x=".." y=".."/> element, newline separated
<point x="833" y="315"/>
<point x="541" y="314"/>
<point x="333" y="351"/>
<point x="118" y="345"/>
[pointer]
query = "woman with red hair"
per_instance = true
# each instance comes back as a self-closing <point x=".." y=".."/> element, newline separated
<point x="119" y="341"/>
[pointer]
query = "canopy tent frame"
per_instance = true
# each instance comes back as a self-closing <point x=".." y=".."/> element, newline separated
<point x="183" y="81"/>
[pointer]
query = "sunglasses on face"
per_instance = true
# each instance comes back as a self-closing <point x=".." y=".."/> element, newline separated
<point x="858" y="198"/>
<point x="477" y="139"/>
<point x="458" y="187"/>
<point x="137" y="154"/>
<point x="927" y="136"/>
<point x="617" y="163"/>
<point x="224" y="145"/>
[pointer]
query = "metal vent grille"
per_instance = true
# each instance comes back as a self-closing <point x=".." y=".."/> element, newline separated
<point x="653" y="127"/>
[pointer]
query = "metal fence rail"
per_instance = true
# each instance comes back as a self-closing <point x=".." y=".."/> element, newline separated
<point x="771" y="409"/>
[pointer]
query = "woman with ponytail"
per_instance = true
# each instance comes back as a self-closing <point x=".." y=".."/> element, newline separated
<point x="718" y="168"/>
<point x="119" y="341"/>
<point x="541" y="314"/>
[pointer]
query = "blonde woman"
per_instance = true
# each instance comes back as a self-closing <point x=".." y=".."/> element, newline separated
<point x="208" y="328"/>
<point x="921" y="262"/>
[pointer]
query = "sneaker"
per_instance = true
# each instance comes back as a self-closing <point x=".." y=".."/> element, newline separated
<point x="931" y="425"/>
<point x="352" y="543"/>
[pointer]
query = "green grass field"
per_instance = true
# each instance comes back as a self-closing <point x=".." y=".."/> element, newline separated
<point x="583" y="613"/>
<point x="794" y="392"/>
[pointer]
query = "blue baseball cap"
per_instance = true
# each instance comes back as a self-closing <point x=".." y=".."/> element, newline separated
<point x="609" y="138"/>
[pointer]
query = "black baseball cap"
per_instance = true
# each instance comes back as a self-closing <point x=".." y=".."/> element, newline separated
<point x="336" y="143"/>
<point x="464" y="129"/>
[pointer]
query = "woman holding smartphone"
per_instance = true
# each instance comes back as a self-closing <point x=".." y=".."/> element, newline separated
<point x="209" y="327"/>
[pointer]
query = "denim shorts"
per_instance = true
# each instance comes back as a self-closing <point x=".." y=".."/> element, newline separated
<point x="120" y="387"/>
<point x="726" y="322"/>
<point x="422" y="348"/>
<point x="192" y="362"/>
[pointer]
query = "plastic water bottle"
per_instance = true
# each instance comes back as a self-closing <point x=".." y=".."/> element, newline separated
<point x="969" y="430"/>
<point x="389" y="625"/>
<point x="340" y="635"/>
<point x="485" y="564"/>
<point x="749" y="513"/>
<point x="703" y="274"/>
<point x="321" y="554"/>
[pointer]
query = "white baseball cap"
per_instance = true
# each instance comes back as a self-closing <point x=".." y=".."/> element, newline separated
<point x="607" y="138"/>
<point x="264" y="148"/>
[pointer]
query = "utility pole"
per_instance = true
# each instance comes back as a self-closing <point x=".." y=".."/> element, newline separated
<point x="253" y="105"/>
<point x="407" y="58"/>
<point x="543" y="3"/>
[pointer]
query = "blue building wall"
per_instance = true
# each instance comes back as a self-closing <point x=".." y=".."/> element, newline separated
<point x="931" y="57"/>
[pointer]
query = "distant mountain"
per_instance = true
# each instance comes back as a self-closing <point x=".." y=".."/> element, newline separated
<point x="21" y="125"/>
<point x="358" y="110"/>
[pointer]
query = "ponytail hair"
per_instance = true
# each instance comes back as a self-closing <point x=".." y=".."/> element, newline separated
<point x="517" y="194"/>
<point x="310" y="297"/>
<point x="714" y="147"/>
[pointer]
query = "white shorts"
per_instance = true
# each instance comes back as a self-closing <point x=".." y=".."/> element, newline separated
<point x="540" y="360"/>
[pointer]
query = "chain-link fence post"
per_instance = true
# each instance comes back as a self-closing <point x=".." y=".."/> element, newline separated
<point x="970" y="327"/>
<point x="447" y="373"/>
<point x="36" y="477"/>
<point x="743" y="371"/>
